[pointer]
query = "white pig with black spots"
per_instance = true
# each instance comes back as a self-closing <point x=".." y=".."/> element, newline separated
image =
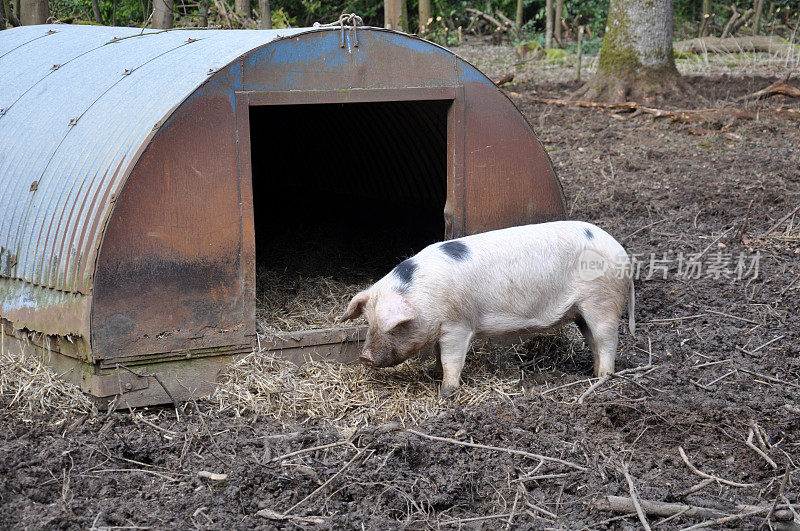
<point x="510" y="281"/>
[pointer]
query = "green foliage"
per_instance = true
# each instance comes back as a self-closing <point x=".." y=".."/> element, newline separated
<point x="280" y="19"/>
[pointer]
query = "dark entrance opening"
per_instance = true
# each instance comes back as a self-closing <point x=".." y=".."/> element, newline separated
<point x="341" y="194"/>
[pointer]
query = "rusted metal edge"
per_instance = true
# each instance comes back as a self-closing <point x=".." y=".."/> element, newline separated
<point x="313" y="337"/>
<point x="356" y="95"/>
<point x="179" y="355"/>
<point x="71" y="346"/>
<point x="327" y="344"/>
<point x="48" y="311"/>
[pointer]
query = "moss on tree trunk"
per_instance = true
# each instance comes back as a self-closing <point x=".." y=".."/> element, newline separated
<point x="636" y="60"/>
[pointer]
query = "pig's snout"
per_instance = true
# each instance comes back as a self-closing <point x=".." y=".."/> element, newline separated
<point x="367" y="358"/>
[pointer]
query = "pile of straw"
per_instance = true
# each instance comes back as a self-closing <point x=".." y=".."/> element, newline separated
<point x="29" y="388"/>
<point x="352" y="395"/>
<point x="287" y="303"/>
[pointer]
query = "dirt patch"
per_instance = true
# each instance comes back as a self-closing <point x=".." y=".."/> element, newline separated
<point x="724" y="355"/>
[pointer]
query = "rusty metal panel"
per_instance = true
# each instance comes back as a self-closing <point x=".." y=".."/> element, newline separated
<point x="508" y="176"/>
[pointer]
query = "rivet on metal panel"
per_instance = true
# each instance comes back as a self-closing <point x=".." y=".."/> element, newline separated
<point x="190" y="40"/>
<point x="55" y="67"/>
<point x="212" y="71"/>
<point x="50" y="32"/>
<point x="73" y="121"/>
<point x="127" y="72"/>
<point x="2" y="112"/>
<point x="34" y="186"/>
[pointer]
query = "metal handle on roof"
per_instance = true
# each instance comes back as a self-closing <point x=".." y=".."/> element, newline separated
<point x="345" y="18"/>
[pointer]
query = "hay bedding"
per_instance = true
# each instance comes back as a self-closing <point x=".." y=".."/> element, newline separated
<point x="28" y="388"/>
<point x="352" y="395"/>
<point x="287" y="302"/>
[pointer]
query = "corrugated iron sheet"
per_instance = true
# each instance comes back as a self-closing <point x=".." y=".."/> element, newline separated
<point x="78" y="103"/>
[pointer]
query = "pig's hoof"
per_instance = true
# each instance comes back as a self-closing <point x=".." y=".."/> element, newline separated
<point x="448" y="391"/>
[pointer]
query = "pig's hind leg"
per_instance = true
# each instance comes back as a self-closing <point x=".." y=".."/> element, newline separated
<point x="453" y="346"/>
<point x="599" y="325"/>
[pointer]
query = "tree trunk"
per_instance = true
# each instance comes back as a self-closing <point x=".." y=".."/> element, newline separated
<point x="33" y="12"/>
<point x="636" y="61"/>
<point x="548" y="28"/>
<point x="758" y="6"/>
<point x="10" y="15"/>
<point x="395" y="15"/>
<point x="557" y="21"/>
<point x="2" y="17"/>
<point x="98" y="17"/>
<point x="204" y="13"/>
<point x="162" y="14"/>
<point x="703" y="31"/>
<point x="519" y="14"/>
<point x="242" y="7"/>
<point x="424" y="16"/>
<point x="266" y="15"/>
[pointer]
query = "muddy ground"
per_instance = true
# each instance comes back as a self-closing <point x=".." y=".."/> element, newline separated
<point x="724" y="355"/>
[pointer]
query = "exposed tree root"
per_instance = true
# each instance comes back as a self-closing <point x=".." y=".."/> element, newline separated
<point x="779" y="88"/>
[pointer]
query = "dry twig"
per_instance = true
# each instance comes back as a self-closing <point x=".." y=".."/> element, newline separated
<point x="635" y="499"/>
<point x="756" y="449"/>
<point x="604" y="379"/>
<point x="709" y="476"/>
<point x="498" y="449"/>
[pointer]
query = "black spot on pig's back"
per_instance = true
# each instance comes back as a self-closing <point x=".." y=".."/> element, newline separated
<point x="456" y="250"/>
<point x="405" y="272"/>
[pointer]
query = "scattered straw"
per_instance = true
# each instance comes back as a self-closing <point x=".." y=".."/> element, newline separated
<point x="352" y="395"/>
<point x="28" y="388"/>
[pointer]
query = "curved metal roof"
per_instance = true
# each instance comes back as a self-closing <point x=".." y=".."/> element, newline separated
<point x="76" y="105"/>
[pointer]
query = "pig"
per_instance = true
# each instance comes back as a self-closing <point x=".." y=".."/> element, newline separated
<point x="517" y="280"/>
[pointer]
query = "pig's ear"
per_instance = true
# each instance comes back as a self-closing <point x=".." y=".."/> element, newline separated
<point x="393" y="309"/>
<point x="355" y="308"/>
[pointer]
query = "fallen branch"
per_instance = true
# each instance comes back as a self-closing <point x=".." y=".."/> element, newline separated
<point x="709" y="476"/>
<point x="622" y="504"/>
<point x="686" y="116"/>
<point x="498" y="449"/>
<point x="488" y="18"/>
<point x="726" y="519"/>
<point x="734" y="16"/>
<point x="717" y="45"/>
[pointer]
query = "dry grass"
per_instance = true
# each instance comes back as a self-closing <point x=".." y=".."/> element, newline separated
<point x="352" y="395"/>
<point x="498" y="60"/>
<point x="286" y="303"/>
<point x="29" y="388"/>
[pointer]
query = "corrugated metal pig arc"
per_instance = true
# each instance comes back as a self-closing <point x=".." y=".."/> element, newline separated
<point x="110" y="138"/>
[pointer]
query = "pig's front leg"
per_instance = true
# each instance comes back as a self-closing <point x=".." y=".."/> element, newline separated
<point x="453" y="346"/>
